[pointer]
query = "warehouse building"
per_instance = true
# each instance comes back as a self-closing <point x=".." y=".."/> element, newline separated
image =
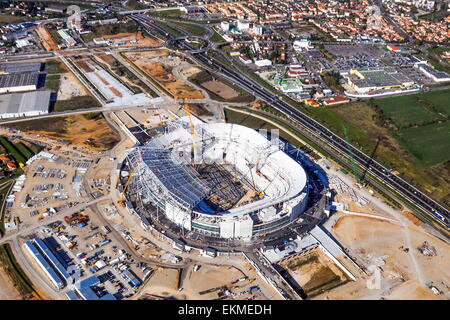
<point x="45" y="265"/>
<point x="435" y="75"/>
<point x="19" y="82"/>
<point x="26" y="104"/>
<point x="48" y="262"/>
<point x="20" y="67"/>
<point x="88" y="289"/>
<point x="364" y="81"/>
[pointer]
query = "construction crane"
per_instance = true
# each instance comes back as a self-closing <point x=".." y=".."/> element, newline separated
<point x="121" y="201"/>
<point x="352" y="157"/>
<point x="191" y="124"/>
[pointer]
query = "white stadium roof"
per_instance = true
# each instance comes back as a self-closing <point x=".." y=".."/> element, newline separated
<point x="256" y="158"/>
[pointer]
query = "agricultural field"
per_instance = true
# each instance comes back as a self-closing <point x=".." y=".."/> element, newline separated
<point x="438" y="99"/>
<point x="365" y="127"/>
<point x="406" y="111"/>
<point x="429" y="144"/>
<point x="13" y="150"/>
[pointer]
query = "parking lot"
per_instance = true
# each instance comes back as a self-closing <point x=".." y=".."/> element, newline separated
<point x="86" y="247"/>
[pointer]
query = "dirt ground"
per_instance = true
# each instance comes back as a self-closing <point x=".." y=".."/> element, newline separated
<point x="164" y="282"/>
<point x="314" y="272"/>
<point x="70" y="87"/>
<point x="47" y="40"/>
<point x="109" y="59"/>
<point x="76" y="129"/>
<point x="7" y="289"/>
<point x="83" y="65"/>
<point x="221" y="89"/>
<point x="158" y="64"/>
<point x="142" y="41"/>
<point x="373" y="238"/>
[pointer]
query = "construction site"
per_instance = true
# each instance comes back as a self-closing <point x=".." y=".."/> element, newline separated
<point x="158" y="66"/>
<point x="232" y="183"/>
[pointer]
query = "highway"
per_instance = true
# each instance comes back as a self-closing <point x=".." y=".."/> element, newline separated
<point x="381" y="173"/>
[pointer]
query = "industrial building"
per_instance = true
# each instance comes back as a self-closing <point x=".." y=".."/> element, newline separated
<point x="70" y="42"/>
<point x="18" y="82"/>
<point x="364" y="81"/>
<point x="26" y="104"/>
<point x="221" y="180"/>
<point x="20" y="67"/>
<point x="435" y="75"/>
<point x="88" y="289"/>
<point x="49" y="263"/>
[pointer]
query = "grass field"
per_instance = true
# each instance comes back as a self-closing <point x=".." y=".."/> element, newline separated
<point x="167" y="13"/>
<point x="191" y="28"/>
<point x="12" y="150"/>
<point x="24" y="150"/>
<point x="217" y="38"/>
<point x="429" y="144"/>
<point x="439" y="99"/>
<point x="52" y="82"/>
<point x="407" y="110"/>
<point x="81" y="102"/>
<point x="431" y="172"/>
<point x="54" y="67"/>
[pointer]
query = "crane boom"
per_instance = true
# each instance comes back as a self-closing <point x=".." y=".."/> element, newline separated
<point x="191" y="124"/>
<point x="127" y="183"/>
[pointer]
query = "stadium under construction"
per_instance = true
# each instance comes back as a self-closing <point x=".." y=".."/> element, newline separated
<point x="223" y="181"/>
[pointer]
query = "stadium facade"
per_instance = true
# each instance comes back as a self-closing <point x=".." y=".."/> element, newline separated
<point x="220" y="180"/>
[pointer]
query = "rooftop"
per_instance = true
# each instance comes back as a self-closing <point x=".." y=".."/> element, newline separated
<point x="25" y="102"/>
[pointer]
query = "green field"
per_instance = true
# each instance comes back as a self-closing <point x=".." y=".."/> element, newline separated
<point x="24" y="150"/>
<point x="439" y="99"/>
<point x="217" y="38"/>
<point x="52" y="82"/>
<point x="54" y="67"/>
<point x="193" y="29"/>
<point x="430" y="144"/>
<point x="166" y="13"/>
<point x="12" y="150"/>
<point x="407" y="110"/>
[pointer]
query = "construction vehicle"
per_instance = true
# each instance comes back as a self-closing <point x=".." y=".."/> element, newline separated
<point x="76" y="218"/>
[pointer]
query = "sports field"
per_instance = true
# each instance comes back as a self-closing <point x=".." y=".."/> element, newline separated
<point x="405" y="111"/>
<point x="430" y="144"/>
